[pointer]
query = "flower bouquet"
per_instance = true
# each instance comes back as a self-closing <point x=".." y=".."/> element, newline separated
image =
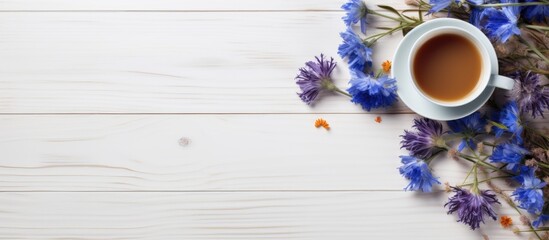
<point x="498" y="142"/>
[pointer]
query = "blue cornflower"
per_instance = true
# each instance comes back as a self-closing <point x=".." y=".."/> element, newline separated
<point x="468" y="127"/>
<point x="509" y="117"/>
<point x="501" y="24"/>
<point x="529" y="195"/>
<point x="536" y="13"/>
<point x="356" y="12"/>
<point x="314" y="78"/>
<point x="476" y="16"/>
<point x="437" y="5"/>
<point x="472" y="206"/>
<point x="509" y="153"/>
<point x="426" y="141"/>
<point x="540" y="220"/>
<point x="417" y="171"/>
<point x="372" y="93"/>
<point x="353" y="48"/>
<point x="530" y="94"/>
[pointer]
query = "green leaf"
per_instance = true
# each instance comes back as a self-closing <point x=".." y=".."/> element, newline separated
<point x="384" y="28"/>
<point x="411" y="18"/>
<point x="499" y="125"/>
<point x="406" y="30"/>
<point x="390" y="9"/>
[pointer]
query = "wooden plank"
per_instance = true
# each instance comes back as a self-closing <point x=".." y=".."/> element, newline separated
<point x="186" y="5"/>
<point x="220" y="62"/>
<point x="218" y="152"/>
<point x="258" y="215"/>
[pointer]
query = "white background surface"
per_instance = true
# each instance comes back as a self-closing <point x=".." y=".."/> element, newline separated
<point x="96" y="95"/>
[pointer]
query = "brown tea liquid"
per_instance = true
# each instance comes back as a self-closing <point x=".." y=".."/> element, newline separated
<point x="447" y="67"/>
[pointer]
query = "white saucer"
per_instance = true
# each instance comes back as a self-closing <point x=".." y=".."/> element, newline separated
<point x="411" y="97"/>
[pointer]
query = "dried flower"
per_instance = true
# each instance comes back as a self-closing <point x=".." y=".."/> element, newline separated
<point x="540" y="154"/>
<point x="531" y="162"/>
<point x="357" y="53"/>
<point x="315" y="78"/>
<point x="322" y="123"/>
<point x="531" y="96"/>
<point x="480" y="147"/>
<point x="386" y="66"/>
<point x="472" y="206"/>
<point x="453" y="153"/>
<point x="426" y="141"/>
<point x="378" y="119"/>
<point x="418" y="173"/>
<point x="372" y="93"/>
<point x="516" y="230"/>
<point x="447" y="187"/>
<point x="505" y="221"/>
<point x="356" y="11"/>
<point x="524" y="220"/>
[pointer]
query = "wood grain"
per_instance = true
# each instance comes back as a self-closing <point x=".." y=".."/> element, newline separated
<point x="206" y="152"/>
<point x="185" y="5"/>
<point x="129" y="62"/>
<point x="287" y="215"/>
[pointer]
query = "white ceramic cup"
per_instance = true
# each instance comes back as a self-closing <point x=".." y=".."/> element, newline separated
<point x="486" y="77"/>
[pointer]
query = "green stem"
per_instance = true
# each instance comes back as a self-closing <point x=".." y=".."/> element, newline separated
<point x="533" y="48"/>
<point x="343" y="92"/>
<point x="510" y="4"/>
<point x="467" y="177"/>
<point x="484" y="164"/>
<point x="475" y="181"/>
<point x="389" y="17"/>
<point x="543" y="164"/>
<point x="485" y="180"/>
<point x="546" y="28"/>
<point x="489" y="144"/>
<point x="378" y="36"/>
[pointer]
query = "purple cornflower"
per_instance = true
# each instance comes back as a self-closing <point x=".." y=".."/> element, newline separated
<point x="419" y="174"/>
<point x="509" y="153"/>
<point x="529" y="195"/>
<point x="314" y="78"/>
<point x="472" y="206"/>
<point x="353" y="48"/>
<point x="356" y="12"/>
<point x="509" y="118"/>
<point x="426" y="141"/>
<point x="531" y="96"/>
<point x="372" y="93"/>
<point x="540" y="220"/>
<point x="501" y="24"/>
<point x="437" y="5"/>
<point x="536" y="13"/>
<point x="468" y="127"/>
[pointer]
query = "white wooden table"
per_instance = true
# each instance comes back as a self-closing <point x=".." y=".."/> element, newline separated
<point x="178" y="119"/>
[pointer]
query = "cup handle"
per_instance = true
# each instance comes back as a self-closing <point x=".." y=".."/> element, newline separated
<point x="501" y="82"/>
